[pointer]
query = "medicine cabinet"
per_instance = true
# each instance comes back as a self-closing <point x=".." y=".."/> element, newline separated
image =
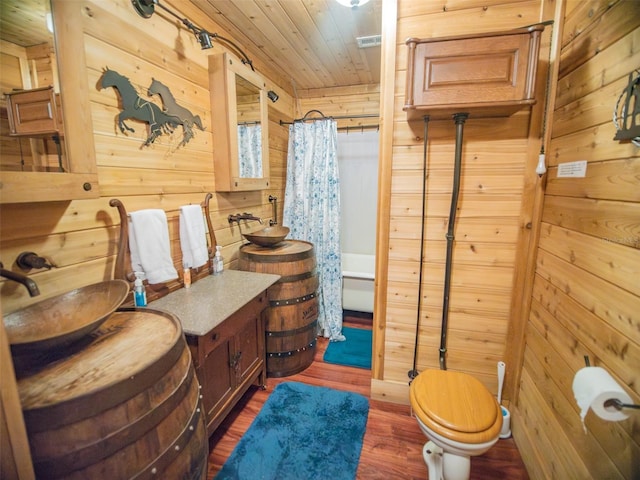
<point x="239" y="125"/>
<point x="69" y="171"/>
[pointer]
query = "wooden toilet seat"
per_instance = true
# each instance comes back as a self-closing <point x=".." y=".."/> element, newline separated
<point x="456" y="406"/>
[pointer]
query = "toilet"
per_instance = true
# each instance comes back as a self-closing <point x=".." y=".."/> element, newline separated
<point x="460" y="418"/>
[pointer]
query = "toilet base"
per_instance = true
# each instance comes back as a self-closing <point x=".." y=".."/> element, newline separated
<point x="445" y="466"/>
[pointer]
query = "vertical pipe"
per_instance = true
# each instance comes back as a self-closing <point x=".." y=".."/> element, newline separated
<point x="414" y="372"/>
<point x="459" y="119"/>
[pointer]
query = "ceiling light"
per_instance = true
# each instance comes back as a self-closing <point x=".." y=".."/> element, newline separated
<point x="352" y="3"/>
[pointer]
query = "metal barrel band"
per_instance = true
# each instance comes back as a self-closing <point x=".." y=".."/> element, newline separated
<point x="292" y="301"/>
<point x="295" y="331"/>
<point x="291" y="352"/>
<point x="297" y="278"/>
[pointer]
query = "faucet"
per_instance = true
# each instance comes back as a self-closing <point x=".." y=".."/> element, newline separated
<point x="243" y="216"/>
<point x="31" y="286"/>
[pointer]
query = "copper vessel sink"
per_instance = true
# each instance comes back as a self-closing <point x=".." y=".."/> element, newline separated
<point x="63" y="319"/>
<point x="268" y="237"/>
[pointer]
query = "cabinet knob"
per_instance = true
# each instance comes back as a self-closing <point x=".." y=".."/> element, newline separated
<point x="215" y="336"/>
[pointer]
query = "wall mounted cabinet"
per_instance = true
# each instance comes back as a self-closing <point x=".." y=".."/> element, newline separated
<point x="34" y="112"/>
<point x="238" y="103"/>
<point x="486" y="75"/>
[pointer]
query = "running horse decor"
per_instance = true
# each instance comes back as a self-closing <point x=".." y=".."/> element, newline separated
<point x="171" y="108"/>
<point x="135" y="107"/>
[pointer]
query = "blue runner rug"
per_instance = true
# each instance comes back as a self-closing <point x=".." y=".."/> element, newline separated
<point x="302" y="432"/>
<point x="355" y="351"/>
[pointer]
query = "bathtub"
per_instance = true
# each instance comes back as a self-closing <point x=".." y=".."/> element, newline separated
<point x="357" y="281"/>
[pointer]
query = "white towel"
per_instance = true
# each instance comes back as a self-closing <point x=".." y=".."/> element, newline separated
<point x="193" y="237"/>
<point x="149" y="245"/>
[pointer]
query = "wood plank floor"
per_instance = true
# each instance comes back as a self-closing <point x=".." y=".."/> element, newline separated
<point x="392" y="446"/>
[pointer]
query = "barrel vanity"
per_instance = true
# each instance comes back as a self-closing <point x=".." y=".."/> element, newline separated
<point x="140" y="395"/>
<point x="123" y="402"/>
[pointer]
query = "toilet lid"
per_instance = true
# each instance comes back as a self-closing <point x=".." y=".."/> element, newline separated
<point x="455" y="401"/>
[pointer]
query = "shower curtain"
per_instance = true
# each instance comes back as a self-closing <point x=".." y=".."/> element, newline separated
<point x="312" y="211"/>
<point x="250" y="150"/>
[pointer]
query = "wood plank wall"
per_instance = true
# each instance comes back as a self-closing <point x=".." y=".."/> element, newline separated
<point x="342" y="102"/>
<point x="80" y="237"/>
<point x="495" y="205"/>
<point x="586" y="294"/>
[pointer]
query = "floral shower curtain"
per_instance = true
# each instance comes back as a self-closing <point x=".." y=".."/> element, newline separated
<point x="312" y="211"/>
<point x="250" y="150"/>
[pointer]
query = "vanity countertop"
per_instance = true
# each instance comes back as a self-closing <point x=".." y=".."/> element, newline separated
<point x="211" y="300"/>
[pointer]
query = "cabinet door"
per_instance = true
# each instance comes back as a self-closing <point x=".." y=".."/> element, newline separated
<point x="218" y="383"/>
<point x="249" y="347"/>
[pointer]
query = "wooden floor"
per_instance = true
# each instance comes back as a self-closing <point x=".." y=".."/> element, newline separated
<point x="392" y="447"/>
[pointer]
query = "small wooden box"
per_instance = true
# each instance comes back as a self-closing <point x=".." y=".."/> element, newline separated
<point x="485" y="75"/>
<point x="33" y="112"/>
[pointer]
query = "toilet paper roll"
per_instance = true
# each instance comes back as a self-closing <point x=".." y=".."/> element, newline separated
<point x="592" y="387"/>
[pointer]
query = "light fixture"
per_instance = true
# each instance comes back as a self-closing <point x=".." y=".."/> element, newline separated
<point x="204" y="39"/>
<point x="273" y="96"/>
<point x="146" y="8"/>
<point x="352" y="3"/>
<point x="49" y="21"/>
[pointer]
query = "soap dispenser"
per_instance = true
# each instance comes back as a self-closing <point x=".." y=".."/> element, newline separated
<point x="218" y="261"/>
<point x="139" y="293"/>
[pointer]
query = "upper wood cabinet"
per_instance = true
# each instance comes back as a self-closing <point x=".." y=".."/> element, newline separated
<point x="239" y="125"/>
<point x="34" y="112"/>
<point x="491" y="74"/>
<point x="76" y="177"/>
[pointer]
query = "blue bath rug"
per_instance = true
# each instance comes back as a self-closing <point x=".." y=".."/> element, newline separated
<point x="302" y="432"/>
<point x="355" y="351"/>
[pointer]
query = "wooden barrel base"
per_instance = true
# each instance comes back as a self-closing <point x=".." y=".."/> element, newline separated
<point x="126" y="405"/>
<point x="292" y="315"/>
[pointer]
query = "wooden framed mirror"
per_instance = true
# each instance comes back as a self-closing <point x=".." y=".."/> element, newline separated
<point x="51" y="156"/>
<point x="239" y="125"/>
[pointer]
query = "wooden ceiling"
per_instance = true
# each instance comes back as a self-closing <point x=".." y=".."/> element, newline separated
<point x="300" y="44"/>
<point x="310" y="44"/>
<point x="23" y="23"/>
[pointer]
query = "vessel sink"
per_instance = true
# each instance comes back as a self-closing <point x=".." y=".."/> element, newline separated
<point x="61" y="320"/>
<point x="268" y="237"/>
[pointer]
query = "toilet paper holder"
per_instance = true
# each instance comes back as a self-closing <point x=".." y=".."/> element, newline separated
<point x="618" y="405"/>
<point x="613" y="402"/>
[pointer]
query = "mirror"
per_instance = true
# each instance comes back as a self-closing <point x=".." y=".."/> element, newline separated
<point x="239" y="125"/>
<point x="249" y="129"/>
<point x="46" y="156"/>
<point x="30" y="113"/>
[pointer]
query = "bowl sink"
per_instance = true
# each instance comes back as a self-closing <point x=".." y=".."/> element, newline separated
<point x="267" y="237"/>
<point x="64" y="319"/>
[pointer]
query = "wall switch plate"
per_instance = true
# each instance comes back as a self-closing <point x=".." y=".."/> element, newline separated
<point x="573" y="169"/>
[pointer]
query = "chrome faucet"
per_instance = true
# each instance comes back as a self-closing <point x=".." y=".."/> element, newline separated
<point x="31" y="286"/>
<point x="243" y="216"/>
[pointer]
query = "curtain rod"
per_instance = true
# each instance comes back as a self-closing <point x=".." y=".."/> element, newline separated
<point x="355" y="128"/>
<point x="322" y="117"/>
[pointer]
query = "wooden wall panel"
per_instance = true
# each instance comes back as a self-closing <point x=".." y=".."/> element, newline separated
<point x="80" y="237"/>
<point x="488" y="225"/>
<point x="585" y="297"/>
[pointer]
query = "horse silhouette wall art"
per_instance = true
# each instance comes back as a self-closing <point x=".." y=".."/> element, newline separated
<point x="171" y="108"/>
<point x="137" y="108"/>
